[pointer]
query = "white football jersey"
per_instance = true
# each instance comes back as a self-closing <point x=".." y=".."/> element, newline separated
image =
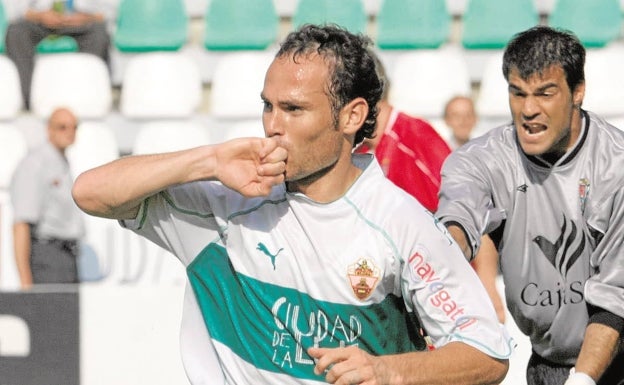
<point x="271" y="277"/>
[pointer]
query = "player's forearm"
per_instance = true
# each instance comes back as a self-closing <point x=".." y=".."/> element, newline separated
<point x="455" y="363"/>
<point x="599" y="346"/>
<point x="34" y="16"/>
<point x="486" y="266"/>
<point x="116" y="190"/>
<point x="91" y="17"/>
<point x="21" y="249"/>
<point x="460" y="238"/>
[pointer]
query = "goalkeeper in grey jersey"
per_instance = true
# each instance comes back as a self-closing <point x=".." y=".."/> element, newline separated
<point x="549" y="189"/>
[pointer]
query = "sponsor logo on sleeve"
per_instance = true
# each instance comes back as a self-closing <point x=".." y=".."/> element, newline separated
<point x="439" y="297"/>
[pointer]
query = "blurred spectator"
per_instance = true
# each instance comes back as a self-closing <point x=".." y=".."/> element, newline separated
<point x="47" y="223"/>
<point x="409" y="150"/>
<point x="461" y="119"/>
<point x="41" y="18"/>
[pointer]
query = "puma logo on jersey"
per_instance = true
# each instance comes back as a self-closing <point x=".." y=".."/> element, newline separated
<point x="266" y="252"/>
<point x="522" y="188"/>
<point x="562" y="259"/>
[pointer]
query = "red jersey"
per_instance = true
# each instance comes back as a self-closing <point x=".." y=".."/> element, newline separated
<point x="411" y="153"/>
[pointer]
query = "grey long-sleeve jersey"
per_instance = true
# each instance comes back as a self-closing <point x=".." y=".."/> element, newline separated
<point x="561" y="227"/>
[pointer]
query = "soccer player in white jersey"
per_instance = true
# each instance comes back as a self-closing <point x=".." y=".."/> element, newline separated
<point x="305" y="264"/>
<point x="549" y="188"/>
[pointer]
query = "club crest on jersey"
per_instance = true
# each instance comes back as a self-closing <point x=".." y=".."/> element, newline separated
<point x="363" y="277"/>
<point x="583" y="192"/>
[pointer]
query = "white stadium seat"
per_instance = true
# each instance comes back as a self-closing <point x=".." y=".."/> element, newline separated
<point x="13" y="147"/>
<point x="169" y="135"/>
<point x="237" y="83"/>
<point x="11" y="95"/>
<point x="95" y="145"/>
<point x="79" y="81"/>
<point x="159" y="85"/>
<point x="422" y="81"/>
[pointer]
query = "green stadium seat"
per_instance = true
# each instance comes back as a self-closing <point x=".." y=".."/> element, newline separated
<point x="412" y="24"/>
<point x="151" y="25"/>
<point x="57" y="44"/>
<point x="490" y="24"/>
<point x="3" y="26"/>
<point x="349" y="14"/>
<point x="240" y="25"/>
<point x="596" y="22"/>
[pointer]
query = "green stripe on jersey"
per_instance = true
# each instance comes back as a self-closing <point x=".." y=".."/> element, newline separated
<point x="271" y="326"/>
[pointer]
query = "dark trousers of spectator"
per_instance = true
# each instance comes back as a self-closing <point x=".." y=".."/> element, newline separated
<point x="543" y="372"/>
<point x="54" y="261"/>
<point x="22" y="36"/>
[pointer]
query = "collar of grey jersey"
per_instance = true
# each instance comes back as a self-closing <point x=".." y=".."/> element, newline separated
<point x="567" y="157"/>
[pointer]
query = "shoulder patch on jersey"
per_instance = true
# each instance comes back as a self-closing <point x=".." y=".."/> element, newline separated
<point x="363" y="276"/>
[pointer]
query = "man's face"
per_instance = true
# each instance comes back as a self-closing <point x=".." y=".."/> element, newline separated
<point x="461" y="118"/>
<point x="545" y="112"/>
<point x="297" y="111"/>
<point x="62" y="129"/>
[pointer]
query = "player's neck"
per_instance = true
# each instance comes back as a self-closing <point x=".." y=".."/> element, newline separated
<point x="329" y="184"/>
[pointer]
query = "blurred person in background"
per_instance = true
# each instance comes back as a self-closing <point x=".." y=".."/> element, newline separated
<point x="47" y="224"/>
<point x="461" y="119"/>
<point x="85" y="22"/>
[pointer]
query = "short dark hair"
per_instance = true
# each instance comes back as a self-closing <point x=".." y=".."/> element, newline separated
<point x="538" y="48"/>
<point x="352" y="67"/>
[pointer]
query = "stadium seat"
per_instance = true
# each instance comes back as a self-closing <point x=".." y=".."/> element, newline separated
<point x="13" y="147"/>
<point x="349" y="14"/>
<point x="237" y="83"/>
<point x="158" y="136"/>
<point x="3" y="25"/>
<point x="487" y="27"/>
<point x="492" y="103"/>
<point x="243" y="129"/>
<point x="148" y="25"/>
<point x="11" y="95"/>
<point x="79" y="81"/>
<point x="489" y="24"/>
<point x="596" y="23"/>
<point x="422" y="81"/>
<point x="160" y="85"/>
<point x="57" y="44"/>
<point x="412" y="24"/>
<point x="95" y="145"/>
<point x="240" y="25"/>
<point x="604" y="82"/>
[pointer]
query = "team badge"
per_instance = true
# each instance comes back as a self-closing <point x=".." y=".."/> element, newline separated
<point x="583" y="192"/>
<point x="363" y="277"/>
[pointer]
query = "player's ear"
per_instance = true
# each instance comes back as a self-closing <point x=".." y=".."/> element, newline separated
<point x="578" y="94"/>
<point x="353" y="115"/>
